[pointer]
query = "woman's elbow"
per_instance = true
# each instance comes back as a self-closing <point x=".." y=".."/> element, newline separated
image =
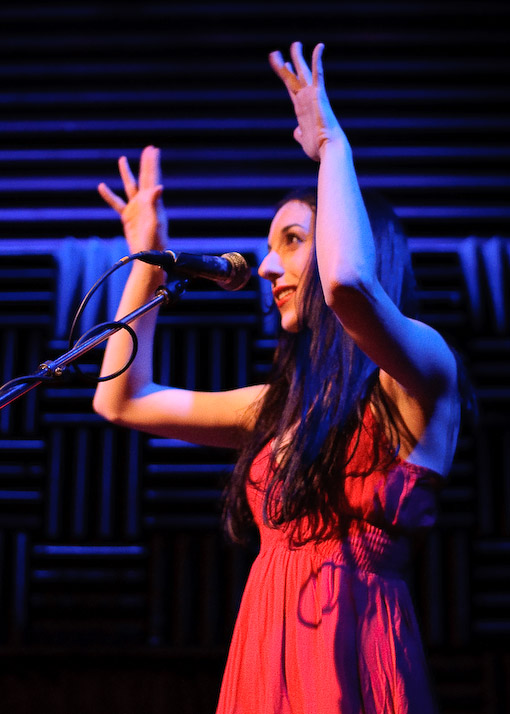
<point x="107" y="410"/>
<point x="346" y="288"/>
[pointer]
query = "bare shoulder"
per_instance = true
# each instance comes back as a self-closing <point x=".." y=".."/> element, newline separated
<point x="428" y="429"/>
<point x="435" y="351"/>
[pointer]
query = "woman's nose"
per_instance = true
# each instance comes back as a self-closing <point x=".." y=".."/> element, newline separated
<point x="271" y="267"/>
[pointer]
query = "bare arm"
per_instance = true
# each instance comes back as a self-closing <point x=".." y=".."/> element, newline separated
<point x="411" y="353"/>
<point x="133" y="399"/>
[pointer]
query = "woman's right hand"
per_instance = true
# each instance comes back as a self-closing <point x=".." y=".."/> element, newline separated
<point x="143" y="215"/>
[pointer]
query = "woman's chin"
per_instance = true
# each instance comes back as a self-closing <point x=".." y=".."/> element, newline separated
<point x="290" y="323"/>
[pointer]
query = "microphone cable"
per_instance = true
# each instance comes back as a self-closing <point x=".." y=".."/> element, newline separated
<point x="102" y="326"/>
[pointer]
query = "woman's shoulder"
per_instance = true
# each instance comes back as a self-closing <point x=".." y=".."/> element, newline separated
<point x="427" y="433"/>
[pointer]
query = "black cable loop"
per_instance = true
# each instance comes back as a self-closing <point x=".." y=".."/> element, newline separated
<point x="123" y="261"/>
<point x="97" y="328"/>
<point x="120" y="325"/>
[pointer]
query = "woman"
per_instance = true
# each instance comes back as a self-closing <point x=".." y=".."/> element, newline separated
<point x="343" y="450"/>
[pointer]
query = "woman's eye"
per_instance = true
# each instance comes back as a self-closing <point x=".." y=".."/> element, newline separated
<point x="293" y="238"/>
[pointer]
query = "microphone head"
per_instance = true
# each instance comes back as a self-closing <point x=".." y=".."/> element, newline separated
<point x="240" y="272"/>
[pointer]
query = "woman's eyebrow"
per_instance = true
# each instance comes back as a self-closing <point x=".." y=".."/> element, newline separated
<point x="285" y="229"/>
<point x="293" y="225"/>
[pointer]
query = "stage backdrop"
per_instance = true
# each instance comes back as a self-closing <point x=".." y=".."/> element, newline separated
<point x="118" y="590"/>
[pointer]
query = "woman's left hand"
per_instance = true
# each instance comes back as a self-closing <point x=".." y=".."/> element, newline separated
<point x="317" y="124"/>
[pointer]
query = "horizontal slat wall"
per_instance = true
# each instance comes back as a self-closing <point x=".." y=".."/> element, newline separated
<point x="420" y="90"/>
<point x="110" y="540"/>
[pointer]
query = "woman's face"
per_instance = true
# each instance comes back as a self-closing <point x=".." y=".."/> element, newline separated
<point x="290" y="243"/>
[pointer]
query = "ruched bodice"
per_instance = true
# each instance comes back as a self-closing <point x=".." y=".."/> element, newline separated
<point x="329" y="627"/>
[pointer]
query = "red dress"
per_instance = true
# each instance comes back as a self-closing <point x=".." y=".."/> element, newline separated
<point x="329" y="627"/>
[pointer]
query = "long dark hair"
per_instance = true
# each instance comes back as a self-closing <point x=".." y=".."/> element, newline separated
<point x="318" y="388"/>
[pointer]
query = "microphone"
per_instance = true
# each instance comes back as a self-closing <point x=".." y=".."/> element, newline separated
<point x="230" y="271"/>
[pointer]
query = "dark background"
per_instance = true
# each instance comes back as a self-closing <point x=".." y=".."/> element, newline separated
<point x="117" y="588"/>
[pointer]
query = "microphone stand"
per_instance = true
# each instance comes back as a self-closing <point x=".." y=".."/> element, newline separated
<point x="53" y="369"/>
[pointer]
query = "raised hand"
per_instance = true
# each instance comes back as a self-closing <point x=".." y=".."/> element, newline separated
<point x="317" y="124"/>
<point x="143" y="215"/>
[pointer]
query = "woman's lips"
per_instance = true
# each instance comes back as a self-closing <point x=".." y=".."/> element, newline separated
<point x="283" y="294"/>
